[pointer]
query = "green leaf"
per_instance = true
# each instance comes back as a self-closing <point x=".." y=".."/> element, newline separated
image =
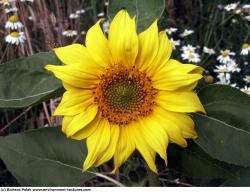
<point x="194" y="162"/>
<point x="44" y="157"/>
<point x="146" y="12"/>
<point x="25" y="82"/>
<point x="243" y="180"/>
<point x="224" y="132"/>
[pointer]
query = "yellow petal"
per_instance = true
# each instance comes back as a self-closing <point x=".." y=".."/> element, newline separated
<point x="87" y="130"/>
<point x="174" y="76"/>
<point x="179" y="101"/>
<point x="155" y="135"/>
<point x="75" y="53"/>
<point x="188" y="131"/>
<point x="75" y="75"/>
<point x="174" y="65"/>
<point x="110" y="151"/>
<point x="97" y="44"/>
<point x="81" y="120"/>
<point x="125" y="146"/>
<point x="183" y="121"/>
<point x="74" y="103"/>
<point x="163" y="54"/>
<point x="97" y="143"/>
<point x="65" y="122"/>
<point x="174" y="132"/>
<point x="123" y="40"/>
<point x="148" y="47"/>
<point x="143" y="147"/>
<point x="174" y="81"/>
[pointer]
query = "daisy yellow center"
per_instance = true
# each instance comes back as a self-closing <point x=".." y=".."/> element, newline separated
<point x="224" y="70"/>
<point x="244" y="46"/>
<point x="13" y="18"/>
<point x="225" y="53"/>
<point x="15" y="34"/>
<point x="191" y="56"/>
<point x="124" y="95"/>
<point x="69" y="32"/>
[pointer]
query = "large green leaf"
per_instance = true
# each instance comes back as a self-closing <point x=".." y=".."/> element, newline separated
<point x="25" y="82"/>
<point x="146" y="11"/>
<point x="44" y="157"/>
<point x="243" y="180"/>
<point x="194" y="162"/>
<point x="224" y="132"/>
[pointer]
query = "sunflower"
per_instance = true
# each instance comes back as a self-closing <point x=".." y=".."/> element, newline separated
<point x="124" y="93"/>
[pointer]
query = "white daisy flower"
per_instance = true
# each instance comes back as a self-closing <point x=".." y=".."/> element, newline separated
<point x="224" y="78"/>
<point x="170" y="30"/>
<point x="234" y="85"/>
<point x="220" y="6"/>
<point x="234" y="20"/>
<point x="231" y="6"/>
<point x="13" y="23"/>
<point x="233" y="66"/>
<point x="81" y="11"/>
<point x="246" y="90"/>
<point x="246" y="6"/>
<point x="174" y="42"/>
<point x="188" y="48"/>
<point x="101" y="14"/>
<point x="186" y="33"/>
<point x="209" y="51"/>
<point x="247" y="18"/>
<point x="224" y="57"/>
<point x="247" y="79"/>
<point x="6" y="2"/>
<point x="105" y="26"/>
<point x="31" y="1"/>
<point x="191" y="57"/>
<point x="245" y="49"/>
<point x="73" y="16"/>
<point x="11" y="10"/>
<point x="15" y="38"/>
<point x="238" y="11"/>
<point x="222" y="69"/>
<point x="69" y="33"/>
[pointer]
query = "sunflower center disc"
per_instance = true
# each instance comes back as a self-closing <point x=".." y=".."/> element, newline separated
<point x="124" y="95"/>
